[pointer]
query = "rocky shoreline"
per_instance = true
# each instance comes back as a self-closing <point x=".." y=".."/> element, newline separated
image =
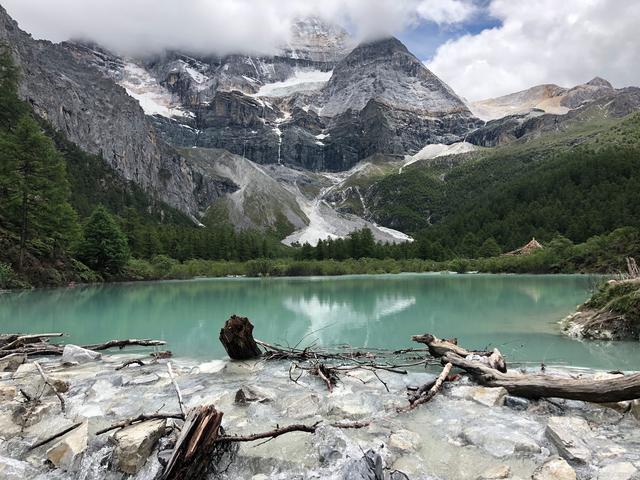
<point x="467" y="432"/>
<point x="612" y="313"/>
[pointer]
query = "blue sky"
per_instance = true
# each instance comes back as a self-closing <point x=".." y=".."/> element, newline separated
<point x="424" y="39"/>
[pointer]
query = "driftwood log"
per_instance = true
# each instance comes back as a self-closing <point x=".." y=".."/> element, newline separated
<point x="237" y="338"/>
<point x="485" y="368"/>
<point x="532" y="385"/>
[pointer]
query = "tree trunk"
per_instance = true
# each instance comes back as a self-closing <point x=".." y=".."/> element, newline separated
<point x="195" y="448"/>
<point x="23" y="230"/>
<point x="237" y="338"/>
<point x="611" y="390"/>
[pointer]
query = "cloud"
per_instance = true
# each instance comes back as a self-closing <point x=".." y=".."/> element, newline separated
<point x="544" y="41"/>
<point x="218" y="26"/>
<point x="445" y="11"/>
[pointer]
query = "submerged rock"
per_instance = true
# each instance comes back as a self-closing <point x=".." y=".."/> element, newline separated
<point x="11" y="469"/>
<point x="67" y="451"/>
<point x="74" y="355"/>
<point x="496" y="473"/>
<point x="555" y="468"/>
<point x="568" y="435"/>
<point x="619" y="471"/>
<point x="516" y="403"/>
<point x="488" y="396"/>
<point x="135" y="443"/>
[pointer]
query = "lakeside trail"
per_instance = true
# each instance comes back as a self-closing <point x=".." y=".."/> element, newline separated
<point x="466" y="432"/>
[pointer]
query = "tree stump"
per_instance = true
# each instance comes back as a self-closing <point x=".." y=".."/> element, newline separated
<point x="237" y="339"/>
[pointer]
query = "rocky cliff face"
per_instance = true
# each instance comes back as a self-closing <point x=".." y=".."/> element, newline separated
<point x="314" y="105"/>
<point x="100" y="117"/>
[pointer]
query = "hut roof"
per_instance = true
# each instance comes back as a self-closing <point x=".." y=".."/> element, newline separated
<point x="527" y="249"/>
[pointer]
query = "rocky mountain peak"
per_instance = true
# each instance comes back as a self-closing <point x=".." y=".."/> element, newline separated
<point x="314" y="39"/>
<point x="599" y="82"/>
<point x="385" y="71"/>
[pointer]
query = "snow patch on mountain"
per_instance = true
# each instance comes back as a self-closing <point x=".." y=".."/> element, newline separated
<point x="436" y="150"/>
<point x="325" y="222"/>
<point x="152" y="97"/>
<point x="300" y="81"/>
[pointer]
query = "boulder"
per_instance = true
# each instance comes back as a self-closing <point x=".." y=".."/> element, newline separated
<point x="250" y="394"/>
<point x="499" y="440"/>
<point x="10" y="363"/>
<point x="7" y="392"/>
<point x="369" y="467"/>
<point x="555" y="468"/>
<point x="65" y="453"/>
<point x="489" y="396"/>
<point x="496" y="473"/>
<point x="568" y="435"/>
<point x="619" y="471"/>
<point x="74" y="355"/>
<point x="12" y="469"/>
<point x="404" y="440"/>
<point x="135" y="443"/>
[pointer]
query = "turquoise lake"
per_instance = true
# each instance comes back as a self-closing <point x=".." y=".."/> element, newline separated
<point x="517" y="313"/>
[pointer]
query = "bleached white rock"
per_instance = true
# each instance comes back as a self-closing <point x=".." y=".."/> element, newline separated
<point x="135" y="443"/>
<point x="555" y="468"/>
<point x="619" y="471"/>
<point x="67" y="451"/>
<point x="74" y="355"/>
<point x="568" y="434"/>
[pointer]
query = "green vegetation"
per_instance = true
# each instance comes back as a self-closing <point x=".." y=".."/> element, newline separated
<point x="103" y="247"/>
<point x="543" y="188"/>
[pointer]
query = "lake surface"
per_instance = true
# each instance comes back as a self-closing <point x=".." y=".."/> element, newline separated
<point x="516" y="313"/>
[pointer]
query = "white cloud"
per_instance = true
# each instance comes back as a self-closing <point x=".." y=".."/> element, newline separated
<point x="544" y="41"/>
<point x="445" y="11"/>
<point x="217" y="26"/>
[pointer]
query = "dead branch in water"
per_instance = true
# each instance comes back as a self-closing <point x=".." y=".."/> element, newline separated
<point x="423" y="394"/>
<point x="135" y="361"/>
<point x="175" y="385"/>
<point x="139" y="419"/>
<point x="51" y="386"/>
<point x="276" y="432"/>
<point x="125" y="343"/>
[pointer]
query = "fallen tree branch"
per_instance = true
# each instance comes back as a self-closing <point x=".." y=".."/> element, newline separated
<point x="125" y="343"/>
<point x="276" y="432"/>
<point x="139" y="419"/>
<point x="25" y="339"/>
<point x="135" y="361"/>
<point x="175" y="385"/>
<point x="51" y="386"/>
<point x="430" y="393"/>
<point x="53" y="437"/>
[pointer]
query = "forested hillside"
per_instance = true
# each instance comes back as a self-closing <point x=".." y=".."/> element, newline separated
<point x="577" y="185"/>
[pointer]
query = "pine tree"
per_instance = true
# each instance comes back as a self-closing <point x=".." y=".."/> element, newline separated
<point x="104" y="246"/>
<point x="489" y="248"/>
<point x="35" y="189"/>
